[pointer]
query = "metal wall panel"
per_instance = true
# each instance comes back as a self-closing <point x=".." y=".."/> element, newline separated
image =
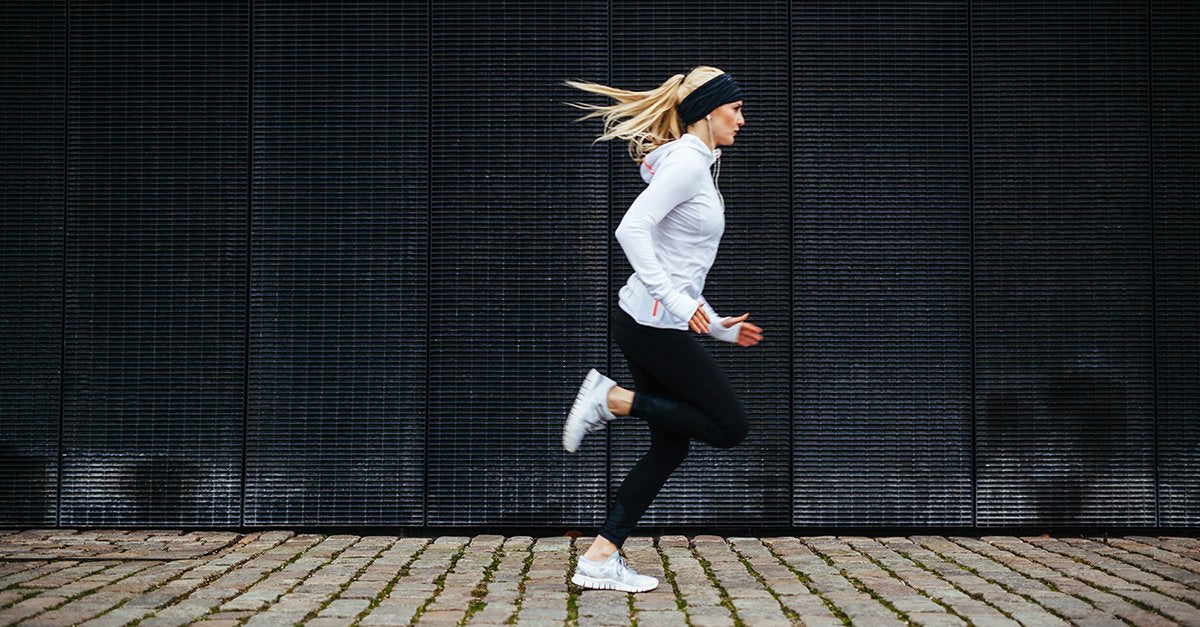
<point x="1063" y="280"/>
<point x="882" y="264"/>
<point x="968" y="227"/>
<point x="748" y="484"/>
<point x="518" y="261"/>
<point x="155" y="263"/>
<point x="1175" y="91"/>
<point x="336" y="427"/>
<point x="33" y="75"/>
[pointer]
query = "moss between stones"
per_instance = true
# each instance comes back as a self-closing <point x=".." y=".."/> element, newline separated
<point x="807" y="581"/>
<point x="787" y="611"/>
<point x="387" y="589"/>
<point x="440" y="582"/>
<point x="525" y="566"/>
<point x="712" y="577"/>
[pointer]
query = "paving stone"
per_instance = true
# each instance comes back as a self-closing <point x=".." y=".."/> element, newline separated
<point x="30" y="607"/>
<point x="660" y="618"/>
<point x="279" y="578"/>
<point x="1166" y="579"/>
<point x="970" y="584"/>
<point x="66" y="576"/>
<point x="493" y="613"/>
<point x="535" y="613"/>
<point x="326" y="622"/>
<point x="1076" y="599"/>
<point x="180" y="614"/>
<point x="934" y="619"/>
<point x="345" y="608"/>
<point x="595" y="604"/>
<point x="391" y="613"/>
<point x="710" y="616"/>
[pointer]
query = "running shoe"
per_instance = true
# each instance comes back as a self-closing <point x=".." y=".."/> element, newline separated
<point x="611" y="574"/>
<point x="590" y="412"/>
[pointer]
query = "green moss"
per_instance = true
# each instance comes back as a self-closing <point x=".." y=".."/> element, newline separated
<point x="680" y="602"/>
<point x="807" y="581"/>
<point x="526" y="565"/>
<point x="712" y="577"/>
<point x="440" y="582"/>
<point x="387" y="589"/>
<point x="787" y="611"/>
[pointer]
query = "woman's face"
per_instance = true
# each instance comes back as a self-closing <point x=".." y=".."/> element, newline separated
<point x="726" y="120"/>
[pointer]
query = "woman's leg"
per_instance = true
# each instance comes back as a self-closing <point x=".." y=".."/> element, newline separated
<point x="667" y="450"/>
<point x="688" y="372"/>
<point x="694" y="398"/>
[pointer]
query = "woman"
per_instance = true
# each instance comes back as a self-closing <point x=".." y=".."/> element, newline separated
<point x="670" y="235"/>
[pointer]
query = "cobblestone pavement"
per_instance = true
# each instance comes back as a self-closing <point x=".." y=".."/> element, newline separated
<point x="151" y="578"/>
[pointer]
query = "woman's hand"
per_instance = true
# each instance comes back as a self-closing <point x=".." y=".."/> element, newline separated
<point x="750" y="333"/>
<point x="699" y="322"/>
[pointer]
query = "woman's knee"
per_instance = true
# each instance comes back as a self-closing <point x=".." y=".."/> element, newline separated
<point x="734" y="431"/>
<point x="672" y="452"/>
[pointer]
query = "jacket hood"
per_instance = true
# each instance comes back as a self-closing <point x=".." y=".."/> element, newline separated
<point x="686" y="142"/>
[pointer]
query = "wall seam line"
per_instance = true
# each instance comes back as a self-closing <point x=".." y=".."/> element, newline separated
<point x="249" y="255"/>
<point x="62" y="339"/>
<point x="1153" y="255"/>
<point x="971" y="214"/>
<point x="428" y="255"/>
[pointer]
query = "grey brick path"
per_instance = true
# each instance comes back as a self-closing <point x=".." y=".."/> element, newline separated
<point x="150" y="578"/>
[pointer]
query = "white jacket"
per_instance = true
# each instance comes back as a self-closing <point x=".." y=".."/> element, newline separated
<point x="670" y="235"/>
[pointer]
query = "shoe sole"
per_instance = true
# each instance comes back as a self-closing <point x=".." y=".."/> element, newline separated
<point x="581" y="406"/>
<point x="606" y="584"/>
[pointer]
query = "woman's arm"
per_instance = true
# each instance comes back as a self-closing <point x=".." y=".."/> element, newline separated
<point x="673" y="183"/>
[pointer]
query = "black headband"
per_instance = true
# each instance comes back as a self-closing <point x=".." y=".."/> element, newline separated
<point x="712" y="94"/>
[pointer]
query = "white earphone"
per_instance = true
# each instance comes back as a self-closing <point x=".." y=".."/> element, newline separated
<point x="710" y="138"/>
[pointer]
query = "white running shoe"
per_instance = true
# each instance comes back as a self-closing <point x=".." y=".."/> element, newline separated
<point x="590" y="412"/>
<point x="611" y="574"/>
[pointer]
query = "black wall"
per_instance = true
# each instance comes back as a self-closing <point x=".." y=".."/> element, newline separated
<point x="306" y="263"/>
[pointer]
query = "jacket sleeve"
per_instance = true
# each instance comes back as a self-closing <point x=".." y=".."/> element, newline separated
<point x="718" y="330"/>
<point x="673" y="183"/>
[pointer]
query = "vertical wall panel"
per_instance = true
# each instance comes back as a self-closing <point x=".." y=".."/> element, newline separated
<point x="881" y="277"/>
<point x="519" y="261"/>
<point x="339" y="264"/>
<point x="1176" y="125"/>
<point x="1063" y="318"/>
<point x="969" y="229"/>
<point x="32" y="118"/>
<point x="748" y="484"/>
<point x="155" y="254"/>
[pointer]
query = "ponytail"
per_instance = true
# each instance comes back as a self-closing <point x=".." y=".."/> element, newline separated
<point x="647" y="119"/>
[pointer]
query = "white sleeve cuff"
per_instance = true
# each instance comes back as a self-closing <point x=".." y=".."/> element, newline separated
<point x="718" y="330"/>
<point x="681" y="305"/>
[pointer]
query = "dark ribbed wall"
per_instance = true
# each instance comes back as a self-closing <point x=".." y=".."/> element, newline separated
<point x="518" y="233"/>
<point x="339" y="260"/>
<point x="303" y="263"/>
<point x="881" y="264"/>
<point x="32" y="75"/>
<point x="1175" y="156"/>
<point x="153" y="355"/>
<point x="1064" y="311"/>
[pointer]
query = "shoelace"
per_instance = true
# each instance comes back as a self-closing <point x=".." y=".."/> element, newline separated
<point x="622" y="568"/>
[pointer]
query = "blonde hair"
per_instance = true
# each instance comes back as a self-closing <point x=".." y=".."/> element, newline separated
<point x="652" y="118"/>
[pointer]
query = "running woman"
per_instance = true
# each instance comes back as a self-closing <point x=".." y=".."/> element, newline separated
<point x="670" y="235"/>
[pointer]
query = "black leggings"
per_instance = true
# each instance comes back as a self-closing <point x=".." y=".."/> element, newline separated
<point x="682" y="393"/>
